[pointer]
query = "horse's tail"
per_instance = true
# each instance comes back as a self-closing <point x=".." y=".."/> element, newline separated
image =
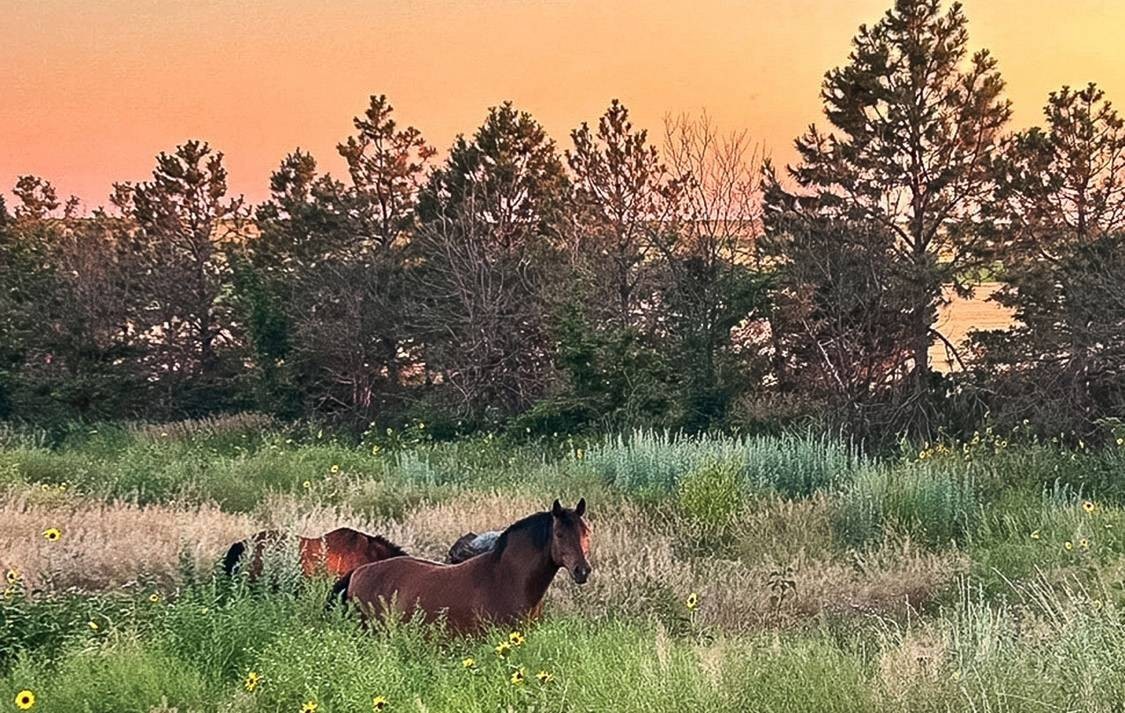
<point x="232" y="557"/>
<point x="339" y="593"/>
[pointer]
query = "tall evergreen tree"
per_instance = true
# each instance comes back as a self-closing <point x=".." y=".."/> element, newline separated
<point x="184" y="222"/>
<point x="624" y="196"/>
<point x="1062" y="245"/>
<point x="916" y="122"/>
<point x="326" y="281"/>
<point x="490" y="244"/>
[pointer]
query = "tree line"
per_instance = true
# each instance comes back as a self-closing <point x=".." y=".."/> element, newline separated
<point x="678" y="281"/>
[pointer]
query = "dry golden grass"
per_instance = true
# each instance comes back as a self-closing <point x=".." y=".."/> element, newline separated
<point x="911" y="662"/>
<point x="640" y="565"/>
<point x="107" y="545"/>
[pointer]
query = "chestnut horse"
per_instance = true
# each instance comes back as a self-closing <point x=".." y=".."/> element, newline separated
<point x="337" y="552"/>
<point x="502" y="586"/>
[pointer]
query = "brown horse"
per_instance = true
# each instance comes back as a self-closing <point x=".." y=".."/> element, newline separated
<point x="336" y="553"/>
<point x="502" y="586"/>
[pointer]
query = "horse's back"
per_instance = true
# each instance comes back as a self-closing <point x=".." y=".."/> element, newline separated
<point x="408" y="578"/>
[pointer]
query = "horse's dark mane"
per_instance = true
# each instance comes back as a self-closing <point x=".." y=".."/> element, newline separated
<point x="391" y="547"/>
<point x="537" y="525"/>
<point x="394" y="549"/>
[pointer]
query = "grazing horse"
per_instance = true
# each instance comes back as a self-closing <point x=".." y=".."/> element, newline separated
<point x="337" y="552"/>
<point x="502" y="586"/>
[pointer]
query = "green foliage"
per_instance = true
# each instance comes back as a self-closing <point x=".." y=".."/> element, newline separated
<point x="711" y="495"/>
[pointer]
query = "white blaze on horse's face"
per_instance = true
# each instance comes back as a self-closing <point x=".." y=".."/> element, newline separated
<point x="570" y="540"/>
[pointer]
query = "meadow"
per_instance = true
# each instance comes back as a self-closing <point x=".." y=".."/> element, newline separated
<point x="731" y="573"/>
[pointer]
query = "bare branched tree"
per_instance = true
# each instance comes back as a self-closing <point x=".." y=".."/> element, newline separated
<point x="711" y="282"/>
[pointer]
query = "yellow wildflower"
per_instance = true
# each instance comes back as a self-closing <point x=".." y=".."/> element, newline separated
<point x="693" y="601"/>
<point x="516" y="638"/>
<point x="1088" y="506"/>
<point x="1068" y="545"/>
<point x="1084" y="543"/>
<point x="1035" y="535"/>
<point x="25" y="700"/>
<point x="334" y="469"/>
<point x="517" y="677"/>
<point x="379" y="703"/>
<point x="306" y="485"/>
<point x="13" y="576"/>
<point x="503" y="649"/>
<point x="154" y="598"/>
<point x="52" y="534"/>
<point x="309" y="707"/>
<point x="468" y="662"/>
<point x="544" y="677"/>
<point x="252" y="681"/>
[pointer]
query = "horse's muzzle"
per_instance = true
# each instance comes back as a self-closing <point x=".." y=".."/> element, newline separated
<point x="580" y="574"/>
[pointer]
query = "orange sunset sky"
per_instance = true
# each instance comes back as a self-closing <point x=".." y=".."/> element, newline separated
<point x="91" y="90"/>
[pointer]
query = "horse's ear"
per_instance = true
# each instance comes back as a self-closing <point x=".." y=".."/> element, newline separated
<point x="557" y="509"/>
<point x="580" y="508"/>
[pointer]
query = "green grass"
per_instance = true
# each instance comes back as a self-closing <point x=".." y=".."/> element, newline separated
<point x="193" y="653"/>
<point x="1033" y="621"/>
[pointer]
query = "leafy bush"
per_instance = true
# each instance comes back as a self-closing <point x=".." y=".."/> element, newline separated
<point x="711" y="495"/>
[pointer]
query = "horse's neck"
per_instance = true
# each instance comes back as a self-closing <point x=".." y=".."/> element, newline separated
<point x="528" y="568"/>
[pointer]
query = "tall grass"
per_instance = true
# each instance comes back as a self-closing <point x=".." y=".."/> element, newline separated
<point x="793" y="465"/>
<point x="1053" y="650"/>
<point x="936" y="505"/>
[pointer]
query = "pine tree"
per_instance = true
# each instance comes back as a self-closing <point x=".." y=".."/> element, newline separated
<point x="915" y="125"/>
<point x="490" y="242"/>
<point x="1061" y="209"/>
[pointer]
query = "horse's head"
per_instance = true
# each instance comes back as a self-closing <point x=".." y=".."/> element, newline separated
<point x="570" y="540"/>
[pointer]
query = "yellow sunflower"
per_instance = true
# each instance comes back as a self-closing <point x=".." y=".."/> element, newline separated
<point x="309" y="707"/>
<point x="468" y="662"/>
<point x="693" y="601"/>
<point x="1088" y="506"/>
<point x="154" y="598"/>
<point x="503" y="649"/>
<point x="52" y="534"/>
<point x="1068" y="545"/>
<point x="379" y="703"/>
<point x="252" y="681"/>
<point x="25" y="700"/>
<point x="518" y="677"/>
<point x="544" y="677"/>
<point x="516" y="638"/>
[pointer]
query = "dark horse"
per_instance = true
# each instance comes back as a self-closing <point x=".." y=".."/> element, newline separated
<point x="336" y="553"/>
<point x="502" y="586"/>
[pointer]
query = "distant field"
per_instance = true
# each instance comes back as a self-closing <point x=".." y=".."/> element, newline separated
<point x="984" y="576"/>
<point x="961" y="316"/>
